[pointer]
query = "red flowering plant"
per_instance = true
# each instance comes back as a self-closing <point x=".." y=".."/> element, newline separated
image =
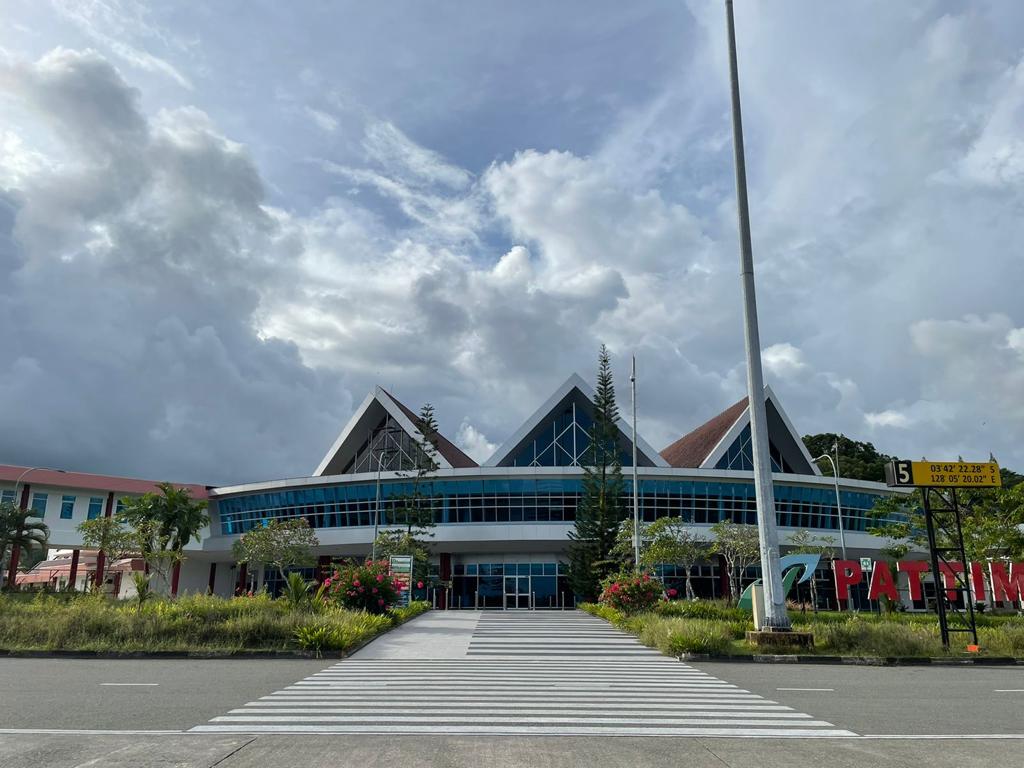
<point x="365" y="586"/>
<point x="632" y="593"/>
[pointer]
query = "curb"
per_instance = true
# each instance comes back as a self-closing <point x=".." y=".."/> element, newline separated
<point x="865" y="661"/>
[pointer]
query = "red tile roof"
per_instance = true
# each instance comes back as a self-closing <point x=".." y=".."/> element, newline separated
<point x="692" y="449"/>
<point x="85" y="481"/>
<point x="451" y="452"/>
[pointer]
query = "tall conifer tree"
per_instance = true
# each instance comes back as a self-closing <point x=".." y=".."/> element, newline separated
<point x="600" y="510"/>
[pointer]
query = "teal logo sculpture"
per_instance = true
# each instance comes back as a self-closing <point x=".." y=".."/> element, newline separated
<point x="789" y="566"/>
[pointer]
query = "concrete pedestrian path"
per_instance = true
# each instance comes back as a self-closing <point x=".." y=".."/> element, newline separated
<point x="523" y="674"/>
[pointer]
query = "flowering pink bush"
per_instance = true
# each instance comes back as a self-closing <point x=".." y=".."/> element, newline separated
<point x="632" y="593"/>
<point x="349" y="586"/>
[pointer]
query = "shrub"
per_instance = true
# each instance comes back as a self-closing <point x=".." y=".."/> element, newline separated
<point x="365" y="587"/>
<point x="703" y="609"/>
<point x="632" y="593"/>
<point x="878" y="638"/>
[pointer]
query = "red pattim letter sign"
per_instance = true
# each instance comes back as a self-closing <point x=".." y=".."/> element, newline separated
<point x="1007" y="588"/>
<point x="913" y="569"/>
<point x="847" y="574"/>
<point x="882" y="583"/>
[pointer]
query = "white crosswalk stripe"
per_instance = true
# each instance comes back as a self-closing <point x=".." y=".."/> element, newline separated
<point x="542" y="684"/>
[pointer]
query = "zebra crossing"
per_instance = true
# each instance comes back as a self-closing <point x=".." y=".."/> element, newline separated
<point x="555" y="633"/>
<point x="524" y="675"/>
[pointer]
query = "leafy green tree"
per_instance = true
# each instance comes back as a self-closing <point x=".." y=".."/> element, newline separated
<point x="415" y="510"/>
<point x="804" y="542"/>
<point x="600" y="511"/>
<point x="109" y="534"/>
<point x="166" y="522"/>
<point x="674" y="542"/>
<point x="857" y="460"/>
<point x="279" y="545"/>
<point x="739" y="546"/>
<point x="21" y="532"/>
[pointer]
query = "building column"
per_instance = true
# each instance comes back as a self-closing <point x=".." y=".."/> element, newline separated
<point x="211" y="584"/>
<point x="243" y="577"/>
<point x="73" y="573"/>
<point x="723" y="577"/>
<point x="323" y="568"/>
<point x="444" y="569"/>
<point x="101" y="556"/>
<point x="12" y="568"/>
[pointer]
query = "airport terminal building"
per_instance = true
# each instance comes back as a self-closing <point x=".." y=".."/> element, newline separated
<point x="501" y="535"/>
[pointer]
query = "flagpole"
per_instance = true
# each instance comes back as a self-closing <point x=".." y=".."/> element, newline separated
<point x="636" y="487"/>
<point x="771" y="572"/>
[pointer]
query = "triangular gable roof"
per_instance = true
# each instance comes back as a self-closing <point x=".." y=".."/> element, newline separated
<point x="704" y="446"/>
<point x="448" y="450"/>
<point x="693" y="448"/>
<point x="549" y="410"/>
<point x="367" y="416"/>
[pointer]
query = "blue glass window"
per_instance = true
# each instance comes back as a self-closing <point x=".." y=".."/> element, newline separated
<point x="7" y="496"/>
<point x="95" y="507"/>
<point x="67" y="507"/>
<point x="740" y="455"/>
<point x="39" y="504"/>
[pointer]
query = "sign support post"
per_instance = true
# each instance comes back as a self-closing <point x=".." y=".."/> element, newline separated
<point x="945" y="521"/>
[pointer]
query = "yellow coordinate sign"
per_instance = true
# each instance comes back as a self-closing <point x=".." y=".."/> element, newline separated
<point x="939" y="474"/>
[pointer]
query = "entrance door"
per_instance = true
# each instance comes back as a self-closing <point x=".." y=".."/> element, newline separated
<point x="517" y="592"/>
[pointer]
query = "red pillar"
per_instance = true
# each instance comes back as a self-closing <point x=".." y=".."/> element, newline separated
<point x="323" y="568"/>
<point x="210" y="585"/>
<point x="73" y="573"/>
<point x="723" y="577"/>
<point x="101" y="556"/>
<point x="444" y="569"/>
<point x="12" y="568"/>
<point x="175" y="578"/>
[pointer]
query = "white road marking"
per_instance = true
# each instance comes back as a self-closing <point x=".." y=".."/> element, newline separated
<point x="805" y="689"/>
<point x="541" y="674"/>
<point x="129" y="683"/>
<point x="1009" y="690"/>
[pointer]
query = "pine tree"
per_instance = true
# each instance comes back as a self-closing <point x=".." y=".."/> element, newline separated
<point x="600" y="510"/>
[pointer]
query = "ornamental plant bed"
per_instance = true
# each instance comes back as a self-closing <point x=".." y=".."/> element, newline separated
<point x="194" y="624"/>
<point x="709" y="627"/>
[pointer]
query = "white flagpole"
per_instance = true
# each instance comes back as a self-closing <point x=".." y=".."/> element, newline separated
<point x="636" y="487"/>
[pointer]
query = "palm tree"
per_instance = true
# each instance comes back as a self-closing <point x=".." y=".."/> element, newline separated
<point x="21" y="534"/>
<point x="177" y="517"/>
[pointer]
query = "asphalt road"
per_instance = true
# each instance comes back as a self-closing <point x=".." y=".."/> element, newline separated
<point x="91" y="693"/>
<point x="892" y="700"/>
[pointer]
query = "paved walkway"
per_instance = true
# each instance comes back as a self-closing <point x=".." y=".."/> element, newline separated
<point x="524" y="674"/>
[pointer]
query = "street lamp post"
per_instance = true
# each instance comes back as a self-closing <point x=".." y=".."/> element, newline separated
<point x="636" y="488"/>
<point x="775" y="616"/>
<point x="376" y="510"/>
<point x="839" y="514"/>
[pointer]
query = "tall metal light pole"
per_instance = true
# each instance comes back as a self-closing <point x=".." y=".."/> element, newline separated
<point x="771" y="573"/>
<point x="839" y="513"/>
<point x="376" y="510"/>
<point x="636" y="487"/>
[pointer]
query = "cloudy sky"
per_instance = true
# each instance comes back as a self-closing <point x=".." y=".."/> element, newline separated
<point x="222" y="223"/>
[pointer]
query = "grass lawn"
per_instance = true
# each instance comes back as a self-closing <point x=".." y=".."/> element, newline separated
<point x="712" y="627"/>
<point x="199" y="623"/>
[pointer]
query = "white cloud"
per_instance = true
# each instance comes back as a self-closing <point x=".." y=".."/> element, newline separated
<point x="783" y="360"/>
<point x="473" y="442"/>
<point x="323" y="121"/>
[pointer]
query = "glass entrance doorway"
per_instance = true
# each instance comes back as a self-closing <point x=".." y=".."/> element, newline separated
<point x="517" y="592"/>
